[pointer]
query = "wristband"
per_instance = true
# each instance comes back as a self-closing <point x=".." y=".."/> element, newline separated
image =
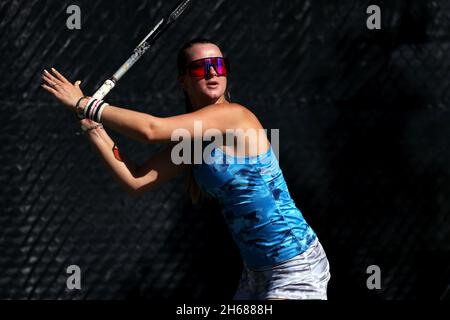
<point x="94" y="109"/>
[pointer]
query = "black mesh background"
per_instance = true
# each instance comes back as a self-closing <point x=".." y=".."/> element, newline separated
<point x="364" y="146"/>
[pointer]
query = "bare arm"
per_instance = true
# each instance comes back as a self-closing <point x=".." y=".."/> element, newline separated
<point x="135" y="179"/>
<point x="145" y="127"/>
<point x="123" y="172"/>
<point x="157" y="170"/>
<point x="150" y="129"/>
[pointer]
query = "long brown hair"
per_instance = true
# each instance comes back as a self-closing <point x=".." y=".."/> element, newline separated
<point x="191" y="186"/>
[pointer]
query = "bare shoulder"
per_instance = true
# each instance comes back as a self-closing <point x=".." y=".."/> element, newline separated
<point x="250" y="120"/>
<point x="235" y="106"/>
<point x="232" y="112"/>
<point x="229" y="106"/>
<point x="222" y="110"/>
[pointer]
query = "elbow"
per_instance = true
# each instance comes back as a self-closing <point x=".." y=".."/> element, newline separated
<point x="148" y="135"/>
<point x="137" y="191"/>
<point x="149" y="130"/>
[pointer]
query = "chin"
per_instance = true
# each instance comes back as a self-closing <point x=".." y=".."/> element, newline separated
<point x="214" y="94"/>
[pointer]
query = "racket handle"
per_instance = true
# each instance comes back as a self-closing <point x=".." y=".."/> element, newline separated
<point x="106" y="87"/>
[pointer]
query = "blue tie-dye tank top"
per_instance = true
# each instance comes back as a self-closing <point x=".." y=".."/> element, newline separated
<point x="261" y="215"/>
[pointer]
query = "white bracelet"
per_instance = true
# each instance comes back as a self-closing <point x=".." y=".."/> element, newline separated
<point x="94" y="109"/>
<point x="85" y="128"/>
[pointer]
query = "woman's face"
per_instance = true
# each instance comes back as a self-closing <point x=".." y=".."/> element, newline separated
<point x="211" y="88"/>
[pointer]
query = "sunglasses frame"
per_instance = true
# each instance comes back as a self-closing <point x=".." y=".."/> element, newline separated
<point x="206" y="72"/>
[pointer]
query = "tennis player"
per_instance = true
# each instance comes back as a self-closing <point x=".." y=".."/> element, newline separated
<point x="282" y="255"/>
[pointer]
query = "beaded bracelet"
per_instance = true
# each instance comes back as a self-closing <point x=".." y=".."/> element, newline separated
<point x="89" y="128"/>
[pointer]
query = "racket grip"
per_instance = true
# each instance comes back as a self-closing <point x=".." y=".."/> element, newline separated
<point x="106" y="87"/>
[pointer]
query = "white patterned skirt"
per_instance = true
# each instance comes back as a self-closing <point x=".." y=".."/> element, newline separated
<point x="304" y="276"/>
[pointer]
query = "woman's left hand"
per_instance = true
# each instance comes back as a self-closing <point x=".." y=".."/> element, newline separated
<point x="61" y="88"/>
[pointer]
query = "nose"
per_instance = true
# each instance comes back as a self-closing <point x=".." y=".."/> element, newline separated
<point x="211" y="72"/>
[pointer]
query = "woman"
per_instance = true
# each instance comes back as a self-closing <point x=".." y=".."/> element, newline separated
<point x="283" y="258"/>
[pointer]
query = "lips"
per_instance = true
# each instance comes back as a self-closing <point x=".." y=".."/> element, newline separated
<point x="212" y="84"/>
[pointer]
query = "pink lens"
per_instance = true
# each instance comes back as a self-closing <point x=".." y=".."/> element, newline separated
<point x="199" y="68"/>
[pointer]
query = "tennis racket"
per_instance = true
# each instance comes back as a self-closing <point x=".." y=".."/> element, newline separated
<point x="145" y="44"/>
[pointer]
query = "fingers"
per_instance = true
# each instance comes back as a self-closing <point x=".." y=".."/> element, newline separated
<point x="77" y="83"/>
<point x="50" y="79"/>
<point x="59" y="76"/>
<point x="86" y="122"/>
<point x="49" y="89"/>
